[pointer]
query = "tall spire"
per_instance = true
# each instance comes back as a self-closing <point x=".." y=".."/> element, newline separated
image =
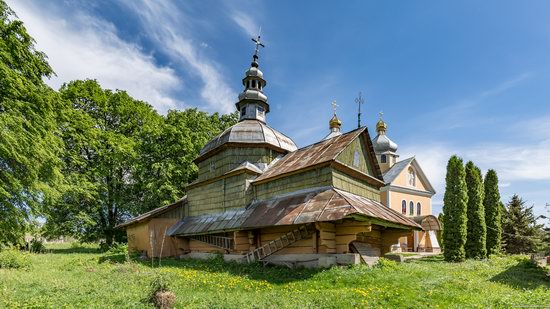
<point x="359" y="100"/>
<point x="252" y="101"/>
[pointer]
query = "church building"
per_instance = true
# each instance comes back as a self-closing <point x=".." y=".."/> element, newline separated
<point x="260" y="198"/>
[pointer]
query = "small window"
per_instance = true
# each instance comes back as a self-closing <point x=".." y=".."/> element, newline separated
<point x="260" y="110"/>
<point x="253" y="84"/>
<point x="411" y="208"/>
<point x="418" y="209"/>
<point x="212" y="166"/>
<point x="243" y="111"/>
<point x="383" y="159"/>
<point x="404" y="207"/>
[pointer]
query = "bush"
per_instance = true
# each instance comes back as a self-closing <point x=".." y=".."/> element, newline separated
<point x="14" y="258"/>
<point x="37" y="246"/>
<point x="160" y="295"/>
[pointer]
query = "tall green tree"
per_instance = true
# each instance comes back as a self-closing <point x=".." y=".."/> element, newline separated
<point x="101" y="135"/>
<point x="493" y="212"/>
<point x="477" y="231"/>
<point x="521" y="232"/>
<point x="29" y="138"/>
<point x="454" y="211"/>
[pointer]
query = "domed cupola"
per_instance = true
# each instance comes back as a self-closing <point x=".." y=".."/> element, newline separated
<point x="334" y="124"/>
<point x="384" y="147"/>
<point x="252" y="101"/>
<point x="252" y="131"/>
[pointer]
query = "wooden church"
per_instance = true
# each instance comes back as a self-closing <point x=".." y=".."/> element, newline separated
<point x="259" y="198"/>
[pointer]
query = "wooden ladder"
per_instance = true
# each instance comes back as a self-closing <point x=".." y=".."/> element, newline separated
<point x="226" y="243"/>
<point x="258" y="254"/>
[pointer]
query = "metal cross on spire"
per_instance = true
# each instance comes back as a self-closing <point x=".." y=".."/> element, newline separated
<point x="334" y="106"/>
<point x="258" y="44"/>
<point x="359" y="100"/>
<point x="381" y="113"/>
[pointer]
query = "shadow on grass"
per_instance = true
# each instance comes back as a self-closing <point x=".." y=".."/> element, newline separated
<point x="73" y="250"/>
<point x="524" y="275"/>
<point x="271" y="274"/>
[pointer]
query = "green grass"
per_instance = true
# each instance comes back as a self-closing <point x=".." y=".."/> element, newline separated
<point x="82" y="277"/>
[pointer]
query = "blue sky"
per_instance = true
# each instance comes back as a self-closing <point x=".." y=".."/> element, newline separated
<point x="469" y="78"/>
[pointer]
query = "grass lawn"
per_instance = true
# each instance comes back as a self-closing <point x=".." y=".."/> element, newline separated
<point x="82" y="277"/>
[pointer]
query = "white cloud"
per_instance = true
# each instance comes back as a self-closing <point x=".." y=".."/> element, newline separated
<point x="86" y="47"/>
<point x="166" y="23"/>
<point x="246" y="23"/>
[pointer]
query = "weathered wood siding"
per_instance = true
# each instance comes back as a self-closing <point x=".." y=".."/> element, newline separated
<point x="138" y="237"/>
<point x="231" y="158"/>
<point x="302" y="246"/>
<point x="225" y="193"/>
<point x="309" y="179"/>
<point x="353" y="185"/>
<point x="356" y="155"/>
<point x="347" y="231"/>
<point x="327" y="237"/>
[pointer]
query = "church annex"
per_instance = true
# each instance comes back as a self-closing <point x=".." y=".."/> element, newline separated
<point x="259" y="198"/>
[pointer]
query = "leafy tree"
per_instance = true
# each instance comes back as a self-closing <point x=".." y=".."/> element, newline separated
<point x="29" y="139"/>
<point x="454" y="211"/>
<point x="477" y="231"/>
<point x="101" y="156"/>
<point x="493" y="212"/>
<point x="521" y="232"/>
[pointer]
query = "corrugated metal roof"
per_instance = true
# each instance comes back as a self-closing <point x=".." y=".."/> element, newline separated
<point x="323" y="151"/>
<point x="249" y="132"/>
<point x="153" y="213"/>
<point x="307" y="206"/>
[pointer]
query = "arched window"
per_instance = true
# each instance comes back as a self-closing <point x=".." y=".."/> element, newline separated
<point x="383" y="159"/>
<point x="411" y="208"/>
<point x="418" y="209"/>
<point x="412" y="177"/>
<point x="404" y="207"/>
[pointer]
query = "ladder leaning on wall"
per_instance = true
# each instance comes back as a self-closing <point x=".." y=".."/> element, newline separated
<point x="260" y="253"/>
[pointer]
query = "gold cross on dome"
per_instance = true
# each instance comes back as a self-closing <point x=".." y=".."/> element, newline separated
<point x="334" y="106"/>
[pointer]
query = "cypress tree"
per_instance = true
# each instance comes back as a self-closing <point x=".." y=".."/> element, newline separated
<point x="454" y="211"/>
<point x="493" y="212"/>
<point x="477" y="230"/>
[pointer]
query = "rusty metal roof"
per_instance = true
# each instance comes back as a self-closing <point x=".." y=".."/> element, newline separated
<point x="249" y="132"/>
<point x="321" y="152"/>
<point x="428" y="222"/>
<point x="306" y="206"/>
<point x="153" y="213"/>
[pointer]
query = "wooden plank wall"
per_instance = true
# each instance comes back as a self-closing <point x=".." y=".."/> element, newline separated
<point x="309" y="179"/>
<point x="327" y="237"/>
<point x="355" y="186"/>
<point x="226" y="193"/>
<point x="347" y="156"/>
<point x="231" y="158"/>
<point x="138" y="237"/>
<point x="157" y="228"/>
<point x="346" y="232"/>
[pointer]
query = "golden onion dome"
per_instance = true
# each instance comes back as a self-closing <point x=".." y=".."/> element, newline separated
<point x="381" y="126"/>
<point x="335" y="122"/>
